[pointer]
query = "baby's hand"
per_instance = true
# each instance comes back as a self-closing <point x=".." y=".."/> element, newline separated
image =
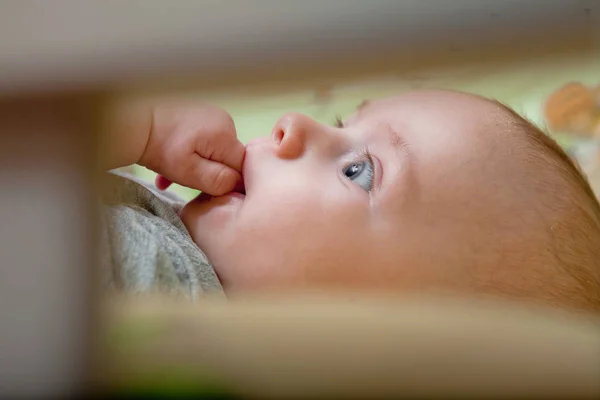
<point x="194" y="146"/>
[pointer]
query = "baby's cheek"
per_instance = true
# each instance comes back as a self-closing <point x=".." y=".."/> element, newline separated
<point x="204" y="225"/>
<point x="298" y="246"/>
<point x="268" y="248"/>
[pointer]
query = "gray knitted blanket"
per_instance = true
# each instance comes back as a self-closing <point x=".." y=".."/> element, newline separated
<point x="144" y="245"/>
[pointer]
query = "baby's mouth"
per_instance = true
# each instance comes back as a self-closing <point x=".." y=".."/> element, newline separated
<point x="240" y="188"/>
<point x="238" y="192"/>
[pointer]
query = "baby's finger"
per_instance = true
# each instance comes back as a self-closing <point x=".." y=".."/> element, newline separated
<point x="211" y="177"/>
<point x="162" y="183"/>
<point x="234" y="157"/>
<point x="229" y="151"/>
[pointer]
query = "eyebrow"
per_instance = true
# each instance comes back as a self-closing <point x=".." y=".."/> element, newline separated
<point x="394" y="138"/>
<point x="402" y="163"/>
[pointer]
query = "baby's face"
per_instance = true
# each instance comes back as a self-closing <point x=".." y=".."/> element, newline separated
<point x="386" y="201"/>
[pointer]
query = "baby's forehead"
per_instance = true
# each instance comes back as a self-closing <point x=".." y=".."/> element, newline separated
<point x="437" y="115"/>
<point x="440" y="103"/>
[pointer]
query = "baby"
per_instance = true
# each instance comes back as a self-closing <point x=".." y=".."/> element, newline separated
<point x="429" y="191"/>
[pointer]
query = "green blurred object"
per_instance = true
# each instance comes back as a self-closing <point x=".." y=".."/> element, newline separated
<point x="169" y="382"/>
<point x="145" y="370"/>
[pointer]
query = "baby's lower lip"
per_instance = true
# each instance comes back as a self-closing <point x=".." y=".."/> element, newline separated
<point x="236" y="195"/>
<point x="204" y="197"/>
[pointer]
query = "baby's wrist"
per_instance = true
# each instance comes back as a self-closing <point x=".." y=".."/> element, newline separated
<point x="146" y="158"/>
<point x="125" y="135"/>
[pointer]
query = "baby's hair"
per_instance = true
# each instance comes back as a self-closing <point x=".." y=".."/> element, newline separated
<point x="574" y="238"/>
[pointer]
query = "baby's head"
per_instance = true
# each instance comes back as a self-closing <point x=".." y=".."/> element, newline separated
<point x="430" y="191"/>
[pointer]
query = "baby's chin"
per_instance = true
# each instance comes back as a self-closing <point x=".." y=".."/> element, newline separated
<point x="207" y="217"/>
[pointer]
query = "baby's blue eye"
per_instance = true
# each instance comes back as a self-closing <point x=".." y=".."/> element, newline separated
<point x="360" y="172"/>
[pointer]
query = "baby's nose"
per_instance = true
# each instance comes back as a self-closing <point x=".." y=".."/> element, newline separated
<point x="290" y="134"/>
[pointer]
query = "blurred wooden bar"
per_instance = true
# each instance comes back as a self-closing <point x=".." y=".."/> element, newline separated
<point x="61" y="60"/>
<point x="197" y="45"/>
<point x="326" y="347"/>
<point x="47" y="208"/>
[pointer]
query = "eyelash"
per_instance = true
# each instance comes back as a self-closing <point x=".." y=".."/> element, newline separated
<point x="363" y="154"/>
